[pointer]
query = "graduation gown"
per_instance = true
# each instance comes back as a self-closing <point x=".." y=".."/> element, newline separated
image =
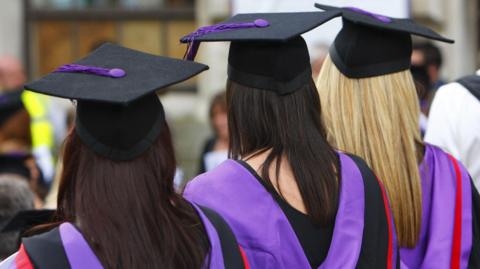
<point x="363" y="233"/>
<point x="450" y="208"/>
<point x="65" y="247"/>
<point x="454" y="122"/>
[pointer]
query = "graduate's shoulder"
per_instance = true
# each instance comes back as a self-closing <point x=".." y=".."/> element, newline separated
<point x="216" y="179"/>
<point x="45" y="250"/>
<point x="48" y="239"/>
<point x="437" y="152"/>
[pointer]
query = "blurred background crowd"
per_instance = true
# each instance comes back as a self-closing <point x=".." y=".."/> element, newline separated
<point x="36" y="36"/>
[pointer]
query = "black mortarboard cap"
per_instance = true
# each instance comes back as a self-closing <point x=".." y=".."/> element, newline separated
<point x="15" y="164"/>
<point x="118" y="113"/>
<point x="27" y="219"/>
<point x="10" y="103"/>
<point x="267" y="51"/>
<point x="371" y="44"/>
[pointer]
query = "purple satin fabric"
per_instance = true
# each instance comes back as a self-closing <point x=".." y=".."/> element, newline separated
<point x="215" y="258"/>
<point x="81" y="256"/>
<point x="439" y="189"/>
<point x="348" y="231"/>
<point x="263" y="230"/>
<point x="79" y="253"/>
<point x="9" y="263"/>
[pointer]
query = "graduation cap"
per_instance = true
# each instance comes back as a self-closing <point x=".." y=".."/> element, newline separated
<point x="119" y="115"/>
<point x="267" y="51"/>
<point x="10" y="103"/>
<point x="27" y="219"/>
<point x="371" y="44"/>
<point x="15" y="164"/>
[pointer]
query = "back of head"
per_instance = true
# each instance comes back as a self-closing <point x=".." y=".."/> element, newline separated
<point x="290" y="127"/>
<point x="15" y="196"/>
<point x="137" y="213"/>
<point x="273" y="107"/>
<point x="377" y="119"/>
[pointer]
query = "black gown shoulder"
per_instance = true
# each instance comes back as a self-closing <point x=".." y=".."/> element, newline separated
<point x="46" y="250"/>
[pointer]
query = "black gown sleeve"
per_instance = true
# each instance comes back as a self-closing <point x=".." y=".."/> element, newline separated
<point x="374" y="251"/>
<point x="474" y="261"/>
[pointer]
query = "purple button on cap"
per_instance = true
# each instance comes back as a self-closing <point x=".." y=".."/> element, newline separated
<point x="117" y="73"/>
<point x="261" y="23"/>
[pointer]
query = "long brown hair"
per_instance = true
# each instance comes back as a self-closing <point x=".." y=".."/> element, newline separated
<point x="128" y="211"/>
<point x="376" y="118"/>
<point x="290" y="127"/>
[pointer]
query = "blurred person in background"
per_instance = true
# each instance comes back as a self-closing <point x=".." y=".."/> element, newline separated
<point x="25" y="167"/>
<point x="215" y="150"/>
<point x="12" y="78"/>
<point x="15" y="143"/>
<point x="15" y="196"/>
<point x="15" y="133"/>
<point x="429" y="55"/>
<point x="454" y="122"/>
<point x="370" y="107"/>
<point x="426" y="67"/>
<point x="422" y="85"/>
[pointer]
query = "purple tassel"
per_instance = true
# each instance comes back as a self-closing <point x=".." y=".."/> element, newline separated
<point x="379" y="17"/>
<point x="105" y="72"/>
<point x="193" y="45"/>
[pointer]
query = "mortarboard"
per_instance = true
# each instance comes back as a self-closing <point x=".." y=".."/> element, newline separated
<point x="10" y="103"/>
<point x="118" y="113"/>
<point x="267" y="51"/>
<point x="27" y="219"/>
<point x="371" y="44"/>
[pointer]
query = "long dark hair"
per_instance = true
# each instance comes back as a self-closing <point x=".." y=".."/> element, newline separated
<point x="290" y="127"/>
<point x="128" y="211"/>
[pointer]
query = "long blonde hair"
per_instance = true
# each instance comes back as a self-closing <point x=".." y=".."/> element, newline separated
<point x="377" y="119"/>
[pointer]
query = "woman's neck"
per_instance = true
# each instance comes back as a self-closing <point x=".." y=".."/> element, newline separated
<point x="285" y="184"/>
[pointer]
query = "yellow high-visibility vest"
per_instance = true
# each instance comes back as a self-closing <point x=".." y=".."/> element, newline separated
<point x="41" y="127"/>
